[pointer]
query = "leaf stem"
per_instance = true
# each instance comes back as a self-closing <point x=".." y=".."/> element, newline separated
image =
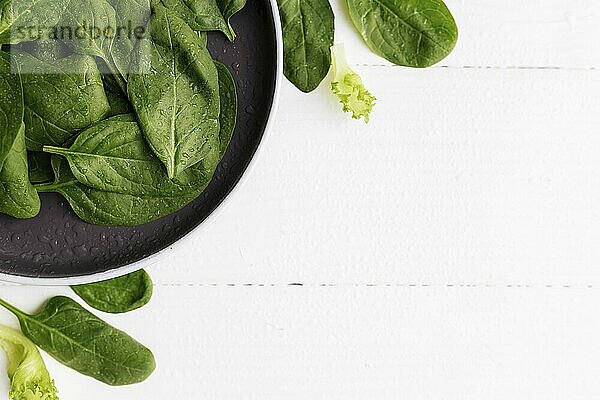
<point x="54" y="150"/>
<point x="11" y="308"/>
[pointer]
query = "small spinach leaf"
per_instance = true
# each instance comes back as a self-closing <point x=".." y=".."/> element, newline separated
<point x="18" y="197"/>
<point x="200" y="15"/>
<point x="113" y="156"/>
<point x="40" y="169"/>
<point x="228" y="98"/>
<point x="118" y="295"/>
<point x="308" y="28"/>
<point x="207" y="15"/>
<point x="412" y="33"/>
<point x="177" y="102"/>
<point x="82" y="341"/>
<point x="59" y="102"/>
<point x="228" y="9"/>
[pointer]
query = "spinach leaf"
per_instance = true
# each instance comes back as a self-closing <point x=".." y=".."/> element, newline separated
<point x="18" y="198"/>
<point x="132" y="18"/>
<point x="112" y="209"/>
<point x="11" y="106"/>
<point x="90" y="22"/>
<point x="228" y="9"/>
<point x="413" y="33"/>
<point x="18" y="17"/>
<point x="308" y="28"/>
<point x="40" y="169"/>
<point x="59" y="102"/>
<point x="83" y="18"/>
<point x="207" y="15"/>
<point x="118" y="295"/>
<point x="82" y="341"/>
<point x="177" y="102"/>
<point x="113" y="156"/>
<point x="228" y="98"/>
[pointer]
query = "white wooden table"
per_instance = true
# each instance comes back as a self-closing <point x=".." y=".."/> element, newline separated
<point x="448" y="250"/>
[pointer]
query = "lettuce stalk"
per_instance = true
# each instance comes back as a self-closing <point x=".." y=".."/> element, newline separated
<point x="27" y="372"/>
<point x="349" y="88"/>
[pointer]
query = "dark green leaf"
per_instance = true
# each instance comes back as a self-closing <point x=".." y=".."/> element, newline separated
<point x="59" y="102"/>
<point x="113" y="156"/>
<point x="228" y="98"/>
<point x="133" y="14"/>
<point x="87" y="20"/>
<point x="228" y="9"/>
<point x="413" y="33"/>
<point x="113" y="209"/>
<point x="118" y="295"/>
<point x="18" y="198"/>
<point x="177" y="101"/>
<point x="82" y="341"/>
<point x="40" y="169"/>
<point x="308" y="28"/>
<point x="11" y="106"/>
<point x="17" y="17"/>
<point x="207" y="15"/>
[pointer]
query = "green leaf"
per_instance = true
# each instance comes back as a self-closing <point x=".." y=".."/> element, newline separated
<point x="80" y="340"/>
<point x="11" y="106"/>
<point x="58" y="101"/>
<point x="412" y="33"/>
<point x="118" y="295"/>
<point x="18" y="197"/>
<point x="112" y="209"/>
<point x="113" y="156"/>
<point x="207" y="15"/>
<point x="308" y="29"/>
<point x="40" y="169"/>
<point x="228" y="9"/>
<point x="177" y="101"/>
<point x="90" y="21"/>
<point x="18" y="16"/>
<point x="83" y="17"/>
<point x="229" y="104"/>
<point x="134" y="14"/>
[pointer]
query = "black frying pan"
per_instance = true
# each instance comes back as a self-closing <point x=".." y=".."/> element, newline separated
<point x="57" y="244"/>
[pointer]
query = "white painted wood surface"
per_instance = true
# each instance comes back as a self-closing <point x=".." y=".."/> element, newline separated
<point x="449" y="249"/>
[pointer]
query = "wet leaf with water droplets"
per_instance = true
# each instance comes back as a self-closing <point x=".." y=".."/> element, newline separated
<point x="178" y="107"/>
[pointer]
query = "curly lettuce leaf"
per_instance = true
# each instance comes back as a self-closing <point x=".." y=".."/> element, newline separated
<point x="349" y="88"/>
<point x="27" y="372"/>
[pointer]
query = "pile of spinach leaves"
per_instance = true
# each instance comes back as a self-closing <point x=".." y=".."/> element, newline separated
<point x="127" y="128"/>
<point x="410" y="33"/>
